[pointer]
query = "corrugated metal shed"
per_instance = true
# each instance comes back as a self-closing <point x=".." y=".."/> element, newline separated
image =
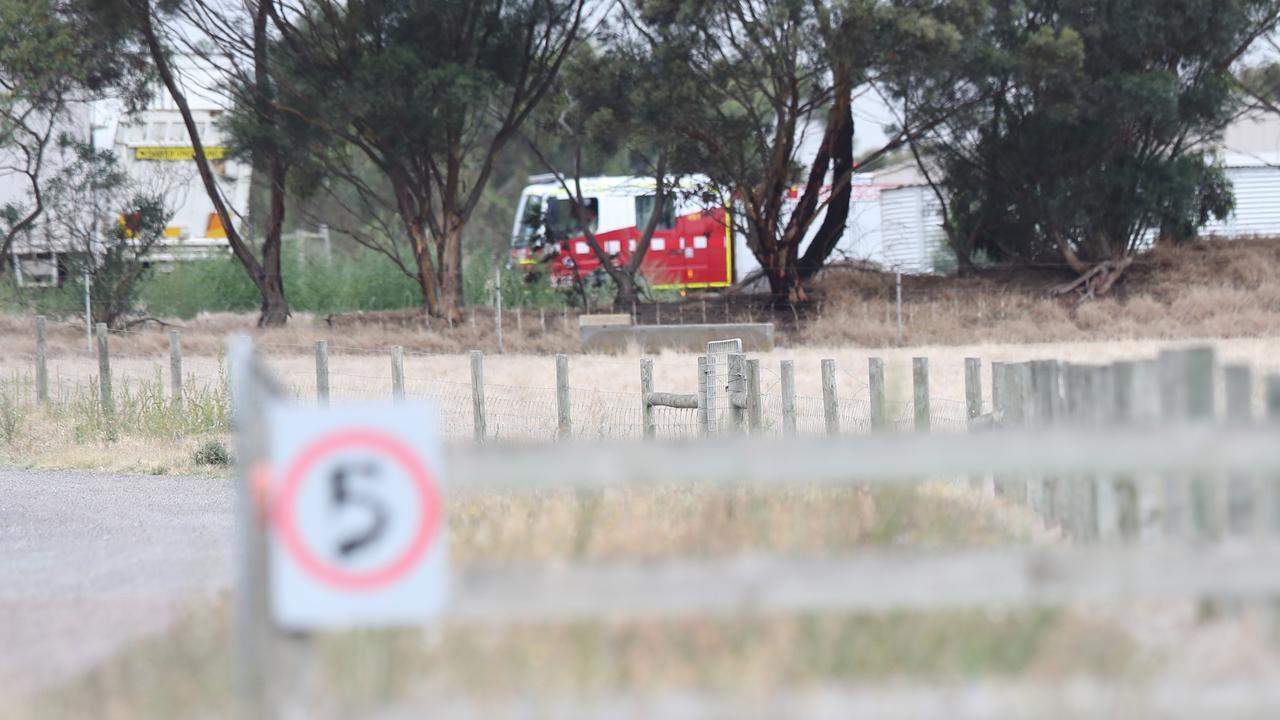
<point x="1256" y="183"/>
<point x="911" y="229"/>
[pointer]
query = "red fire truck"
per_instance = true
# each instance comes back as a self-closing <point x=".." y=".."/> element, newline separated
<point x="691" y="248"/>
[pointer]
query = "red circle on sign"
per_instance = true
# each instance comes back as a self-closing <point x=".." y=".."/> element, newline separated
<point x="403" y="455"/>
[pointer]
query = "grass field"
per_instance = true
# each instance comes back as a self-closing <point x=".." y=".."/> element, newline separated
<point x="1208" y="295"/>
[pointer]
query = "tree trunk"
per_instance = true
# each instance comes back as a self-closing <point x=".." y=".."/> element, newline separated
<point x="451" y="269"/>
<point x="275" y="308"/>
<point x="426" y="269"/>
<point x="837" y="217"/>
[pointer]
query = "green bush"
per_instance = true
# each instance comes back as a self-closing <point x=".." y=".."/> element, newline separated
<point x="212" y="453"/>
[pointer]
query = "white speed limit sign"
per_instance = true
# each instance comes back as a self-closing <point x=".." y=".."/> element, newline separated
<point x="357" y="516"/>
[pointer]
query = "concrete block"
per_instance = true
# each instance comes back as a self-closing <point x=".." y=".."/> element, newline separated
<point x="603" y="320"/>
<point x="756" y="337"/>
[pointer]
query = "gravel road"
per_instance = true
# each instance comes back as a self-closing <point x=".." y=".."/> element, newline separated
<point x="90" y="563"/>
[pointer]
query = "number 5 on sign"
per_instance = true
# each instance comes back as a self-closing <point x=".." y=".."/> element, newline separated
<point x="357" y="516"/>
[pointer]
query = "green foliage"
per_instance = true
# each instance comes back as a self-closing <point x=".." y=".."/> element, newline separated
<point x="144" y="409"/>
<point x="213" y="453"/>
<point x="350" y="282"/>
<point x="109" y="223"/>
<point x="1080" y="125"/>
<point x="10" y="418"/>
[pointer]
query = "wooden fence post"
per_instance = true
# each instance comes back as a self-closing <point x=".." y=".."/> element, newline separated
<point x="1046" y="393"/>
<point x="1208" y="504"/>
<point x="755" y="415"/>
<point x="703" y="426"/>
<point x="42" y="367"/>
<point x="1106" y="507"/>
<point x="973" y="407"/>
<point x="497" y="306"/>
<point x="175" y="369"/>
<point x="646" y="389"/>
<point x="564" y="420"/>
<point x="875" y="394"/>
<point x="104" y="372"/>
<point x="397" y="373"/>
<point x="1123" y="407"/>
<point x="737" y="389"/>
<point x="830" y="401"/>
<point x="1242" y="500"/>
<point x="1011" y="395"/>
<point x="477" y="394"/>
<point x="920" y="392"/>
<point x="972" y="388"/>
<point x="997" y="388"/>
<point x="788" y="371"/>
<point x="322" y="372"/>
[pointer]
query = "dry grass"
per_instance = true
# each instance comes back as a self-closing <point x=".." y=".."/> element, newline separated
<point x="184" y="673"/>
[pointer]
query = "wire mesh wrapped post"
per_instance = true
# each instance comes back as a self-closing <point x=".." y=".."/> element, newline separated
<point x="322" y="372"/>
<point x="788" y="373"/>
<point x="972" y="388"/>
<point x="646" y="390"/>
<point x="830" y="399"/>
<point x="564" y="421"/>
<point x="397" y="373"/>
<point x="175" y="369"/>
<point x="755" y="419"/>
<point x="703" y="365"/>
<point x="42" y="368"/>
<point x="104" y="372"/>
<point x="875" y="394"/>
<point x="737" y="391"/>
<point x="920" y="390"/>
<point x="477" y="394"/>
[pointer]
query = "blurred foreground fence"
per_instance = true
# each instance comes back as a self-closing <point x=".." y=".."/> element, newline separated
<point x="1154" y="486"/>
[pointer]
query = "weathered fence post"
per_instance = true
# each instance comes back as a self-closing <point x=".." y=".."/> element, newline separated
<point x="788" y="371"/>
<point x="42" y="367"/>
<point x="920" y="392"/>
<point x="830" y="401"/>
<point x="875" y="394"/>
<point x="1208" y="506"/>
<point x="564" y="421"/>
<point x="755" y="415"/>
<point x="477" y="395"/>
<point x="1046" y="398"/>
<point x="703" y="426"/>
<point x="646" y="389"/>
<point x="520" y="320"/>
<point x="175" y="369"/>
<point x="972" y="389"/>
<point x="542" y="320"/>
<point x="1106" y="509"/>
<point x="497" y="306"/>
<point x="1012" y="395"/>
<point x="1128" y="504"/>
<point x="397" y="373"/>
<point x="997" y="388"/>
<point x="104" y="372"/>
<point x="1242" y="499"/>
<point x="736" y="391"/>
<point x="322" y="372"/>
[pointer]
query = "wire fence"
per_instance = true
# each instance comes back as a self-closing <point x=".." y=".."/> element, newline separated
<point x="474" y="408"/>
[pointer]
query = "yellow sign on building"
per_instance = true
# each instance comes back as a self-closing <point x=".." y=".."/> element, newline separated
<point x="177" y="153"/>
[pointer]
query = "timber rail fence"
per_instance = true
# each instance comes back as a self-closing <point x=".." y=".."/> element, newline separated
<point x="1155" y="496"/>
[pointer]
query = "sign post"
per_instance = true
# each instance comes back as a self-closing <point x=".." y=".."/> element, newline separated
<point x="340" y="524"/>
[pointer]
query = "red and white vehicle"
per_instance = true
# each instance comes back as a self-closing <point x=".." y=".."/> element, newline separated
<point x="692" y="246"/>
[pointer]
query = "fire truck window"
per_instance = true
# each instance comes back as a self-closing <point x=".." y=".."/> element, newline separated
<point x="530" y="223"/>
<point x="563" y="217"/>
<point x="644" y="210"/>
